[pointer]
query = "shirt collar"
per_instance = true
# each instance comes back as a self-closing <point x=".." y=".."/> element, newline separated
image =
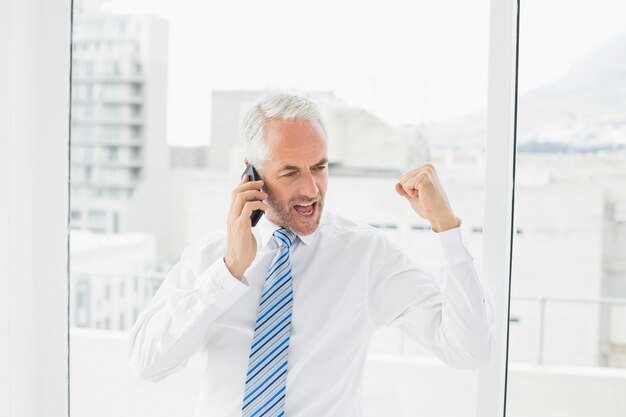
<point x="266" y="229"/>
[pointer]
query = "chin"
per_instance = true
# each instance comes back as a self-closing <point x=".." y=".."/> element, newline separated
<point x="305" y="227"/>
<point x="304" y="230"/>
<point x="292" y="220"/>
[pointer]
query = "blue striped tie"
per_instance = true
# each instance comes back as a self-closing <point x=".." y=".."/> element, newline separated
<point x="267" y="368"/>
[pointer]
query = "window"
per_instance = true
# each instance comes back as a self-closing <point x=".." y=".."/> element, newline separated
<point x="83" y="132"/>
<point x="135" y="132"/>
<point x="569" y="252"/>
<point x="85" y="110"/>
<point x="114" y="174"/>
<point x="135" y="152"/>
<point x="112" y="153"/>
<point x="111" y="132"/>
<point x="96" y="216"/>
<point x="95" y="29"/>
<point x="46" y="134"/>
<point x="82" y="308"/>
<point x="135" y="173"/>
<point x="112" y="111"/>
<point x="121" y="27"/>
<point x="135" y="110"/>
<point x="88" y="68"/>
<point x="111" y="68"/>
<point x="116" y="222"/>
<point x="136" y="89"/>
<point x="391" y="112"/>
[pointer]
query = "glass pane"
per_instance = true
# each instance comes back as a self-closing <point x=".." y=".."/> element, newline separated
<point x="567" y="339"/>
<point x="158" y="92"/>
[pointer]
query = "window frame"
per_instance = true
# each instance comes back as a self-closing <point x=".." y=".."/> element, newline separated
<point x="35" y="39"/>
<point x="499" y="193"/>
<point x="34" y="208"/>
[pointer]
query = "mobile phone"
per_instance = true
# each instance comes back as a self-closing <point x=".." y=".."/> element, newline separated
<point x="253" y="175"/>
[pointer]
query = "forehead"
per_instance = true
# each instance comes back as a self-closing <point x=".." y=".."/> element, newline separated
<point x="295" y="142"/>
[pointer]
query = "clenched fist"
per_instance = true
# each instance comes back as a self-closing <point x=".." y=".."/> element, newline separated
<point x="421" y="187"/>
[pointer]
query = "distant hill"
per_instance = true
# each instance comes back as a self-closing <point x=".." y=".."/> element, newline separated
<point x="585" y="111"/>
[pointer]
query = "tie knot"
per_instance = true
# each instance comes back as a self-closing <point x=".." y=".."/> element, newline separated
<point x="285" y="237"/>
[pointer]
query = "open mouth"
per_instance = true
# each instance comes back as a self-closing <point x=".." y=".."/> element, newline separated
<point x="306" y="211"/>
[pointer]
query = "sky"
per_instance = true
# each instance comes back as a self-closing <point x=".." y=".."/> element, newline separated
<point x="409" y="62"/>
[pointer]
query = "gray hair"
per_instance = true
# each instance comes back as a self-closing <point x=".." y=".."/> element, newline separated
<point x="276" y="106"/>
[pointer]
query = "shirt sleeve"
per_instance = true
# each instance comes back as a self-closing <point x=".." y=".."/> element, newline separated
<point x="451" y="316"/>
<point x="174" y="325"/>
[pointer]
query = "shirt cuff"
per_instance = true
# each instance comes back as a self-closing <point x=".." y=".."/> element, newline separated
<point x="217" y="281"/>
<point x="453" y="246"/>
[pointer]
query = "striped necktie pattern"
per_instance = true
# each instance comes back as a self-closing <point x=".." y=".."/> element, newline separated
<point x="267" y="368"/>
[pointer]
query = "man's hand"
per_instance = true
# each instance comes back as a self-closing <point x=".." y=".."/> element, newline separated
<point x="241" y="246"/>
<point x="421" y="187"/>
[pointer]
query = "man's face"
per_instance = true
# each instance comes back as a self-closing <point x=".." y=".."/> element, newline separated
<point x="296" y="174"/>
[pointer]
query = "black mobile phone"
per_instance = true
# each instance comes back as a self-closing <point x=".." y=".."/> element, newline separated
<point x="253" y="176"/>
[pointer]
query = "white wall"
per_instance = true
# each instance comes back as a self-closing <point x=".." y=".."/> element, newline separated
<point x="148" y="211"/>
<point x="103" y="386"/>
<point x="34" y="135"/>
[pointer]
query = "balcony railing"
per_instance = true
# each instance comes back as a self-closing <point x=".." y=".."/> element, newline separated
<point x="102" y="385"/>
<point x="391" y="340"/>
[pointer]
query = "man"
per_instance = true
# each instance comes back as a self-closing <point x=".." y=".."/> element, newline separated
<point x="283" y="312"/>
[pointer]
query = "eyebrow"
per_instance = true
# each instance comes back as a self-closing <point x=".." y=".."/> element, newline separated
<point x="288" y="167"/>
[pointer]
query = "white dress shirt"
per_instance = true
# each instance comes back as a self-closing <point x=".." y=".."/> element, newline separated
<point x="348" y="280"/>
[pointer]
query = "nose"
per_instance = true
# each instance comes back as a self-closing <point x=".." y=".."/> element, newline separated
<point x="308" y="186"/>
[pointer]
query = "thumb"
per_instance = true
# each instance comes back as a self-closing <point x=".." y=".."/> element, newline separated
<point x="400" y="190"/>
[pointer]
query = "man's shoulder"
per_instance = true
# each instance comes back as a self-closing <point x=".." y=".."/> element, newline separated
<point x="359" y="231"/>
<point x="338" y="224"/>
<point x="214" y="241"/>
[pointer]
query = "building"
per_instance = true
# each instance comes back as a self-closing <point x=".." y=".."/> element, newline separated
<point x="112" y="278"/>
<point x="227" y="107"/>
<point x="359" y="139"/>
<point x="119" y="152"/>
<point x="188" y="157"/>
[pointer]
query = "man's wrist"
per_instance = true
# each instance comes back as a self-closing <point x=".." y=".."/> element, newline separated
<point x="233" y="271"/>
<point x="447" y="224"/>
